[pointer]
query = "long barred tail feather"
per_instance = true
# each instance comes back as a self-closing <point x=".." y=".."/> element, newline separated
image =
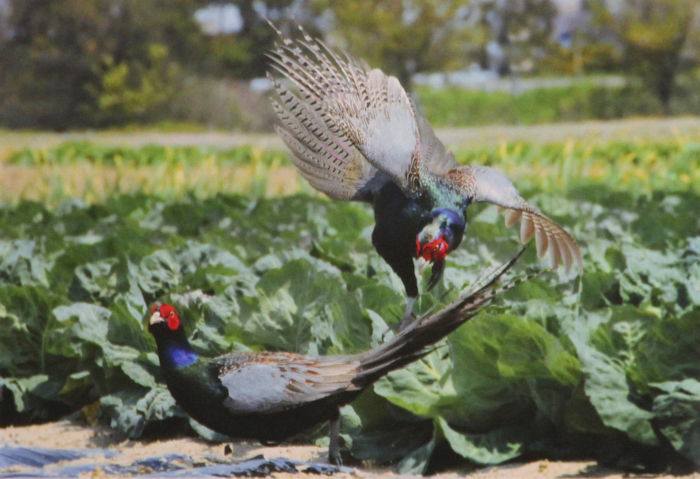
<point x="416" y="340"/>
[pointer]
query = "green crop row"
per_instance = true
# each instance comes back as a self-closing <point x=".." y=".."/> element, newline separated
<point x="94" y="173"/>
<point x="85" y="152"/>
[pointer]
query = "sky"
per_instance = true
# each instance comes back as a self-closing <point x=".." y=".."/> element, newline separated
<point x="219" y="19"/>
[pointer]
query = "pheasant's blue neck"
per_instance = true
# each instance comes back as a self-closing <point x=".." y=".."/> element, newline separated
<point x="179" y="355"/>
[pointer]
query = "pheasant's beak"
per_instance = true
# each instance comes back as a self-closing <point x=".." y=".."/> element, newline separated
<point x="156" y="318"/>
<point x="436" y="273"/>
<point x="434" y="251"/>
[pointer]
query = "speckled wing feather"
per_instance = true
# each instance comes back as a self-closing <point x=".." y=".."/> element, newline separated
<point x="350" y="128"/>
<point x="268" y="382"/>
<point x="481" y="183"/>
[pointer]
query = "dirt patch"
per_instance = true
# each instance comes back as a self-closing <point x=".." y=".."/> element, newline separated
<point x="71" y="435"/>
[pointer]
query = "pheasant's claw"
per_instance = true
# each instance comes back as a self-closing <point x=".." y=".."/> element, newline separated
<point x="438" y="269"/>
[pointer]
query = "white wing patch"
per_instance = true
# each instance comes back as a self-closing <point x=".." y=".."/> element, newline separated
<point x="390" y="139"/>
<point x="268" y="382"/>
<point x="256" y="388"/>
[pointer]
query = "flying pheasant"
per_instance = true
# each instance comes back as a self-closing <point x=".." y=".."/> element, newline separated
<point x="355" y="135"/>
<point x="271" y="396"/>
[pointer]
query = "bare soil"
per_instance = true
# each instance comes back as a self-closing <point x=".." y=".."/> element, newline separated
<point x="67" y="434"/>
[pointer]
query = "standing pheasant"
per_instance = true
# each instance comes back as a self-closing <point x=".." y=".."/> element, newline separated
<point x="355" y="135"/>
<point x="271" y="396"/>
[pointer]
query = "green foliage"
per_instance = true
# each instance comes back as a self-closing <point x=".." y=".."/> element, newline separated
<point x="609" y="363"/>
<point x="77" y="152"/>
<point x="132" y="92"/>
<point x="460" y="107"/>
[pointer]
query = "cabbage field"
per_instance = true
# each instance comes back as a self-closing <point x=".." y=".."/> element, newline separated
<point x="603" y="365"/>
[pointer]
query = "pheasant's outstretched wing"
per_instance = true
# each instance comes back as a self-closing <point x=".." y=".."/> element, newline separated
<point x="350" y="128"/>
<point x="270" y="382"/>
<point x="481" y="183"/>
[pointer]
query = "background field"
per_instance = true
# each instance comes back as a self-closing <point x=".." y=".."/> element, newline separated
<point x="602" y="366"/>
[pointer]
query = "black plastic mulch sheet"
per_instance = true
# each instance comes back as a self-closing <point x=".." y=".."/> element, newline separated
<point x="18" y="461"/>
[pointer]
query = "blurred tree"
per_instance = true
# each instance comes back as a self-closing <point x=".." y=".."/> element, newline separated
<point x="519" y="33"/>
<point x="130" y="91"/>
<point x="241" y="53"/>
<point x="405" y="37"/>
<point x="584" y="47"/>
<point x="58" y="56"/>
<point x="653" y="34"/>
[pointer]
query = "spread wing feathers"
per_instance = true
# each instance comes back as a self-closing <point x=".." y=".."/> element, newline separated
<point x="480" y="183"/>
<point x="269" y="382"/>
<point x="326" y="159"/>
<point x="346" y="122"/>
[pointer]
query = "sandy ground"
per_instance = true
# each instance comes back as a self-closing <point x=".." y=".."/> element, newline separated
<point x="66" y="434"/>
<point x="593" y="131"/>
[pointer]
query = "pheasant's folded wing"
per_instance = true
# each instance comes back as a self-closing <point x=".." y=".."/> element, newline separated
<point x="350" y="128"/>
<point x="480" y="183"/>
<point x="269" y="382"/>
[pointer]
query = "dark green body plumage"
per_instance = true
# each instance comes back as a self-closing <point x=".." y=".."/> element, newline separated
<point x="199" y="391"/>
<point x="399" y="219"/>
<point x="196" y="384"/>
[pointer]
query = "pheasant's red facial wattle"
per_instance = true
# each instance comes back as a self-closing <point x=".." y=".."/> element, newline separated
<point x="171" y="317"/>
<point x="434" y="251"/>
<point x="173" y="322"/>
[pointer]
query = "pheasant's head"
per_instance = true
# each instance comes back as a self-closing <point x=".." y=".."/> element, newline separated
<point x="163" y="319"/>
<point x="438" y="238"/>
<point x="174" y="350"/>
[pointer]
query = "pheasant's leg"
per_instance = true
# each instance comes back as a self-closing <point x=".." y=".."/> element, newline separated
<point x="403" y="267"/>
<point x="408" y="316"/>
<point x="334" y="441"/>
